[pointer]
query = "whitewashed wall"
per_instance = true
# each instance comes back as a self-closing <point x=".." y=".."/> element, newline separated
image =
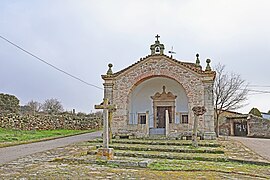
<point x="140" y="97"/>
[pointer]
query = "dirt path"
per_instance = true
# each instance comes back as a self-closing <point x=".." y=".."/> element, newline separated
<point x="259" y="145"/>
<point x="8" y="154"/>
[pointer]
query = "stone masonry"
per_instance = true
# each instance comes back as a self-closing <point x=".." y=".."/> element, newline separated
<point x="198" y="85"/>
<point x="49" y="122"/>
<point x="258" y="127"/>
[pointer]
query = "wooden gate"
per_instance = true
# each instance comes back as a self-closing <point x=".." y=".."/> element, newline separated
<point x="240" y="128"/>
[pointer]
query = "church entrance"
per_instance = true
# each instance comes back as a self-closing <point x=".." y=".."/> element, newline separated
<point x="161" y="116"/>
<point x="162" y="102"/>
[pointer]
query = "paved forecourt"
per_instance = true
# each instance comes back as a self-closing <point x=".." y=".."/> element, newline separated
<point x="259" y="145"/>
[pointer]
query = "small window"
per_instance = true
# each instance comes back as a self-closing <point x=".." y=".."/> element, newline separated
<point x="141" y="118"/>
<point x="157" y="50"/>
<point x="184" y="119"/>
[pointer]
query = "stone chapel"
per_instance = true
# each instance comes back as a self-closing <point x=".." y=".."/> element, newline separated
<point x="157" y="83"/>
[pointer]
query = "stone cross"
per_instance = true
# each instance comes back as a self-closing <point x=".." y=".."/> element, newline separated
<point x="198" y="111"/>
<point x="106" y="107"/>
<point x="157" y="36"/>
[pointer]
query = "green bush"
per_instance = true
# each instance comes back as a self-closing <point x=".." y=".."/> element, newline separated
<point x="255" y="112"/>
<point x="9" y="103"/>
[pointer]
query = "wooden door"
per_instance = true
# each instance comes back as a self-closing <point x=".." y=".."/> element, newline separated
<point x="240" y="128"/>
<point x="161" y="115"/>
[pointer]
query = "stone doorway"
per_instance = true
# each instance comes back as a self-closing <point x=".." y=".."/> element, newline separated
<point x="162" y="102"/>
<point x="161" y="116"/>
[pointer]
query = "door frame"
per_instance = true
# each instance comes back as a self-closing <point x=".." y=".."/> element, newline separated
<point x="163" y="100"/>
<point x="162" y="109"/>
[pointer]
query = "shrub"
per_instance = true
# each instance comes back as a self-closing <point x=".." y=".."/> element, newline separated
<point x="255" y="112"/>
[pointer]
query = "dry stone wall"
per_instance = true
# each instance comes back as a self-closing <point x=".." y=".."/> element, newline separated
<point x="258" y="127"/>
<point x="50" y="122"/>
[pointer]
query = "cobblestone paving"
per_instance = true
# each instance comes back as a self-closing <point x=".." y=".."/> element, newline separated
<point x="258" y="145"/>
<point x="44" y="165"/>
<point x="235" y="149"/>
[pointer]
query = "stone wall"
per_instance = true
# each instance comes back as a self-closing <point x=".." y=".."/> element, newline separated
<point x="258" y="127"/>
<point x="159" y="66"/>
<point x="50" y="122"/>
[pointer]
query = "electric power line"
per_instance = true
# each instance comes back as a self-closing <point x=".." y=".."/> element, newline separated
<point x="258" y="91"/>
<point x="258" y="85"/>
<point x="252" y="94"/>
<point x="74" y="77"/>
<point x="49" y="64"/>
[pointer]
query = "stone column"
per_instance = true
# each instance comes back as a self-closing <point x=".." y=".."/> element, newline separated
<point x="209" y="127"/>
<point x="108" y="90"/>
<point x="105" y="129"/>
<point x="198" y="111"/>
<point x="231" y="127"/>
<point x="147" y="123"/>
<point x="108" y="94"/>
<point x="167" y="128"/>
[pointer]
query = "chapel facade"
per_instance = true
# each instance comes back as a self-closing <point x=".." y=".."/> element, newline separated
<point x="155" y="96"/>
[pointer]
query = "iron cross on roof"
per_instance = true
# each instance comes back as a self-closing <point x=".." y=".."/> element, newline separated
<point x="157" y="36"/>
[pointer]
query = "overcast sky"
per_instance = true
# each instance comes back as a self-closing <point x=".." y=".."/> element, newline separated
<point x="82" y="37"/>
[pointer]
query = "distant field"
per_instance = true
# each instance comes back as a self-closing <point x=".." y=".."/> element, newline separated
<point x="9" y="137"/>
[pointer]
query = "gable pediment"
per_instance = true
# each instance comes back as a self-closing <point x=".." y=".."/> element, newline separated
<point x="144" y="63"/>
<point x="164" y="96"/>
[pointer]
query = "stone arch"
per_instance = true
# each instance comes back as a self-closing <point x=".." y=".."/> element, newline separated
<point x="159" y="66"/>
<point x="149" y="77"/>
<point x="140" y="98"/>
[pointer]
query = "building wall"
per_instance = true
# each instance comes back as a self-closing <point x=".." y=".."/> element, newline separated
<point x="125" y="84"/>
<point x="258" y="127"/>
<point x="140" y="98"/>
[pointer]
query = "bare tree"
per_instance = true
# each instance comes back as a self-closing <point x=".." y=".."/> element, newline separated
<point x="52" y="106"/>
<point x="34" y="106"/>
<point x="230" y="92"/>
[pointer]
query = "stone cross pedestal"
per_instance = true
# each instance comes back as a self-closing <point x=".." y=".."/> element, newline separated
<point x="198" y="111"/>
<point x="105" y="152"/>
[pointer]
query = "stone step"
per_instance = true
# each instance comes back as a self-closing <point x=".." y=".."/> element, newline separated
<point x="202" y="143"/>
<point x="168" y="143"/>
<point x="157" y="131"/>
<point x="172" y="155"/>
<point x="166" y="149"/>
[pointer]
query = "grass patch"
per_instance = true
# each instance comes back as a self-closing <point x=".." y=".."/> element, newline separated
<point x="224" y="167"/>
<point x="9" y="137"/>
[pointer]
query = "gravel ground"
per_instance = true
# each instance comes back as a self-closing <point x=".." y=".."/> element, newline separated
<point x="8" y="154"/>
<point x="43" y="161"/>
<point x="259" y="145"/>
<point x="45" y="165"/>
